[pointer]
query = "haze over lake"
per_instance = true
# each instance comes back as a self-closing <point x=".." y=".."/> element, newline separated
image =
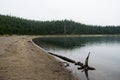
<point x="105" y="54"/>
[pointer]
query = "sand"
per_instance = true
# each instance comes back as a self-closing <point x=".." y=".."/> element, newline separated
<point x="21" y="59"/>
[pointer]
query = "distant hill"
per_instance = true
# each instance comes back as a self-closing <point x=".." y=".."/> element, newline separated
<point x="14" y="25"/>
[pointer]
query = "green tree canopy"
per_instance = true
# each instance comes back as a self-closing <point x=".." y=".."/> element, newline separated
<point x="14" y="25"/>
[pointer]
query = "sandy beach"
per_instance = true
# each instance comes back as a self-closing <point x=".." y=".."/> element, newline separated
<point x="21" y="59"/>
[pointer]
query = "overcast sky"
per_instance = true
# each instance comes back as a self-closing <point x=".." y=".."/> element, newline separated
<point x="96" y="12"/>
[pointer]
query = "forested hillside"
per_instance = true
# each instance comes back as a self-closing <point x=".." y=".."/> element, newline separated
<point x="14" y="25"/>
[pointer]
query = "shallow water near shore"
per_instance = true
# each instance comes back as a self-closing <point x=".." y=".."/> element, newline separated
<point x="105" y="54"/>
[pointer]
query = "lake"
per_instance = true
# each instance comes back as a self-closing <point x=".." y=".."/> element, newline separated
<point x="105" y="54"/>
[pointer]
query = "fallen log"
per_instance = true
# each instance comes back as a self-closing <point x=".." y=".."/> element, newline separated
<point x="84" y="67"/>
<point x="64" y="58"/>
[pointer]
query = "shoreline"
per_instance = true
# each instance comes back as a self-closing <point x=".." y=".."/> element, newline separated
<point x="22" y="59"/>
<point x="46" y="36"/>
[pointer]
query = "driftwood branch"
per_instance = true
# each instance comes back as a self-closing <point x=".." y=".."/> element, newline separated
<point x="84" y="67"/>
<point x="64" y="58"/>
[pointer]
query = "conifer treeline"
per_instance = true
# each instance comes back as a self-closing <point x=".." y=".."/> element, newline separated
<point x="13" y="25"/>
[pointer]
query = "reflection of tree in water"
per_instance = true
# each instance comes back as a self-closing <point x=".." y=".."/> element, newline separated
<point x="73" y="42"/>
<point x="63" y="42"/>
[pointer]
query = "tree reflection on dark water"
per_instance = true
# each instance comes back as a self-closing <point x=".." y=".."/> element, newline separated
<point x="74" y="42"/>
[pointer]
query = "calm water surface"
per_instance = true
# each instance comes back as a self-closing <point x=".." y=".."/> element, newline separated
<point x="105" y="54"/>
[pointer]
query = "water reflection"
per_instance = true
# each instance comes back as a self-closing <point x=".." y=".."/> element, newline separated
<point x="105" y="54"/>
<point x="74" y="42"/>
